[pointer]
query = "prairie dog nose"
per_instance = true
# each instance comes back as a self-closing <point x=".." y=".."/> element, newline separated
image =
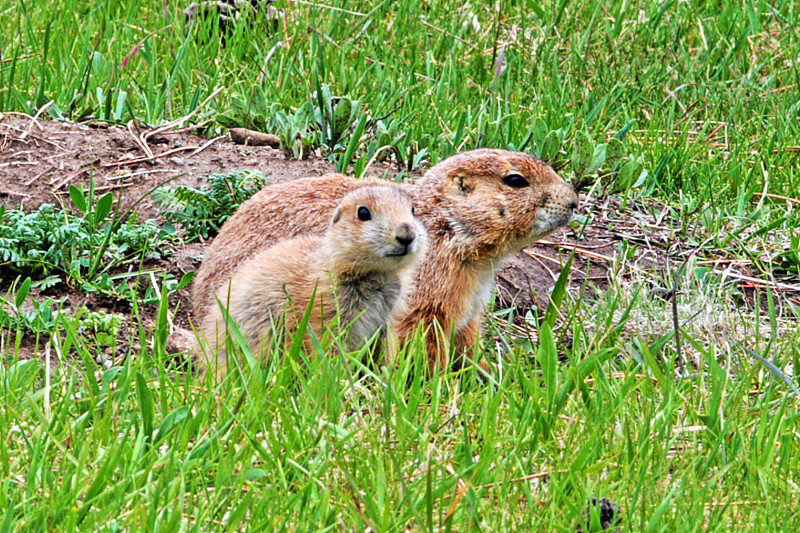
<point x="570" y="199"/>
<point x="405" y="234"/>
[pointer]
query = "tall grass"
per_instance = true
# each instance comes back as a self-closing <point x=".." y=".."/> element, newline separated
<point x="668" y="74"/>
<point x="327" y="442"/>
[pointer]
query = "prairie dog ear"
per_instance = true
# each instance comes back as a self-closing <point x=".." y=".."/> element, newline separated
<point x="336" y="215"/>
<point x="458" y="184"/>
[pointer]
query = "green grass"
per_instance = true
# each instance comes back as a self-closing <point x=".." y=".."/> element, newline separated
<point x="325" y="442"/>
<point x="600" y="403"/>
<point x="668" y="75"/>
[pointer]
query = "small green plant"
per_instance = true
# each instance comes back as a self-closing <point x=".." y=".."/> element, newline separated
<point x="201" y="212"/>
<point x="545" y="143"/>
<point x="295" y="128"/>
<point x="387" y="136"/>
<point x="13" y="318"/>
<point x="588" y="158"/>
<point x="97" y="328"/>
<point x="336" y="124"/>
<point x="55" y="240"/>
<point x="104" y="327"/>
<point x="251" y="110"/>
<point x="788" y="261"/>
<point x="334" y="116"/>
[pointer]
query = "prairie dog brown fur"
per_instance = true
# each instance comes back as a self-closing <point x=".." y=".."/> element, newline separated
<point x="360" y="268"/>
<point x="477" y="207"/>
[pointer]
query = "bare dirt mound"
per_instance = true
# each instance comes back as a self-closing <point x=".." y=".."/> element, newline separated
<point x="40" y="159"/>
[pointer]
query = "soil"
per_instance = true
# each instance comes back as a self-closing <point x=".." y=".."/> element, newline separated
<point x="40" y="159"/>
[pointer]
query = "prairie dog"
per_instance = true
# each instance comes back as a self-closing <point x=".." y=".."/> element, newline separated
<point x="477" y="207"/>
<point x="360" y="268"/>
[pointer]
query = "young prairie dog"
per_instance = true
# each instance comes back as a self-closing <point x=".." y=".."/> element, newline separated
<point x="361" y="268"/>
<point x="477" y="207"/>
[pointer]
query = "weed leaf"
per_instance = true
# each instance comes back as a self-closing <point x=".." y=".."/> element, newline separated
<point x="78" y="199"/>
<point x="615" y="153"/>
<point x="145" y="405"/>
<point x="103" y="208"/>
<point x="170" y="422"/>
<point x="548" y="361"/>
<point x="186" y="279"/>
<point x="582" y="154"/>
<point x="559" y="291"/>
<point x="22" y="293"/>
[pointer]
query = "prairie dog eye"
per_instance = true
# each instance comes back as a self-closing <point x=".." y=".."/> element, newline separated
<point x="412" y="210"/>
<point x="515" y="181"/>
<point x="364" y="214"/>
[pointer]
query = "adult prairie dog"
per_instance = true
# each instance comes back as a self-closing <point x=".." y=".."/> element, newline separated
<point x="361" y="268"/>
<point x="477" y="206"/>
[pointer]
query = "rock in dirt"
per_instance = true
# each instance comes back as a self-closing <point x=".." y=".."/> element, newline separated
<point x="254" y="138"/>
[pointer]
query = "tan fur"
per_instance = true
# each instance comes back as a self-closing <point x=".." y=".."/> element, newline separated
<point x="473" y="219"/>
<point x="360" y="269"/>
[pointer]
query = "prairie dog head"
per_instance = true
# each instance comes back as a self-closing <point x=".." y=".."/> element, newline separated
<point x="373" y="229"/>
<point x="493" y="202"/>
